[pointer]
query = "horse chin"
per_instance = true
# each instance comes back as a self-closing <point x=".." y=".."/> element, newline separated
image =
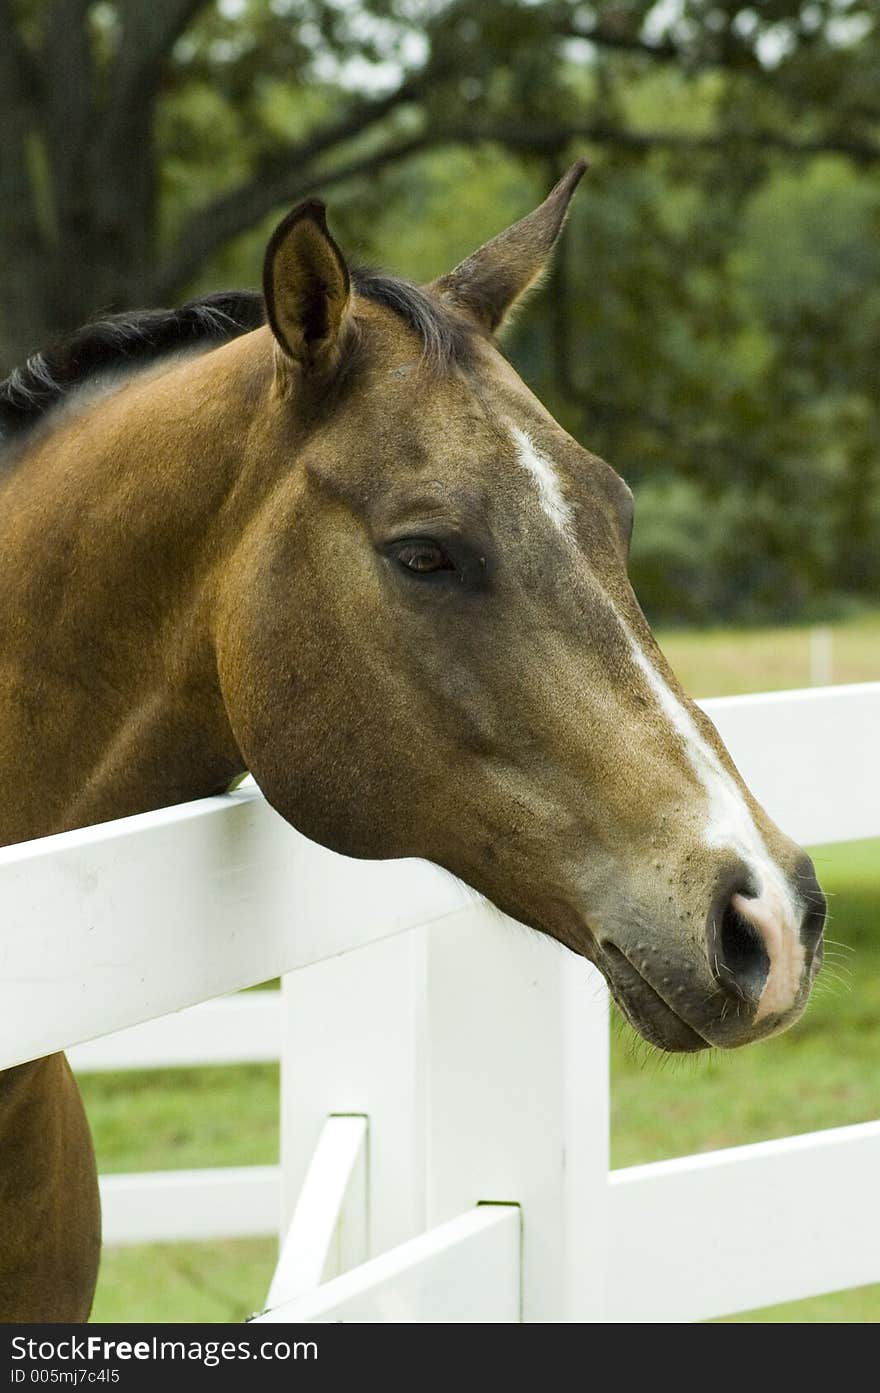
<point x="647" y="1012"/>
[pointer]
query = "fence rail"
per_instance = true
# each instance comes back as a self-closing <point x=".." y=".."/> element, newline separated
<point x="749" y="1226"/>
<point x="476" y="1053"/>
<point x="234" y="1030"/>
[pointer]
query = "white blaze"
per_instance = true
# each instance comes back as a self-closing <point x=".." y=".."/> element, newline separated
<point x="729" y="822"/>
<point x="552" y="499"/>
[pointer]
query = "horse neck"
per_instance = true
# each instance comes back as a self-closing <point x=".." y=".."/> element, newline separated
<point x="113" y="528"/>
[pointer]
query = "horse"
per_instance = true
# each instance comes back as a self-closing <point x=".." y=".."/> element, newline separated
<point x="326" y="534"/>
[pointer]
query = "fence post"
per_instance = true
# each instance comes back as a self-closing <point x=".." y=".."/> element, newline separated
<point x="517" y="1065"/>
<point x="352" y="1042"/>
<point x="479" y="1052"/>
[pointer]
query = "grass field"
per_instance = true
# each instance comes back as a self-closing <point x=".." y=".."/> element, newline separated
<point x="723" y="662"/>
<point x="824" y="1073"/>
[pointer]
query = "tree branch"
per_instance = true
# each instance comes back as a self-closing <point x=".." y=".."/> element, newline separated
<point x="285" y="179"/>
<point x="354" y="122"/>
<point x="603" y="37"/>
<point x="721" y="48"/>
<point x="530" y="140"/>
<point x="240" y="210"/>
<point x="150" y="30"/>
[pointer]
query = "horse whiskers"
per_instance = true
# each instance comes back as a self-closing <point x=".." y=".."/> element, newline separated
<point x="837" y="970"/>
<point x="839" y="961"/>
<point x="845" y="964"/>
<point x="824" y="981"/>
<point x="830" y="991"/>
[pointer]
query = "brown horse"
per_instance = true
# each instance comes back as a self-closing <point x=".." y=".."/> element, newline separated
<point x="349" y="551"/>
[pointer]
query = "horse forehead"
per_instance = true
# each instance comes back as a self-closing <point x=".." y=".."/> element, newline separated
<point x="487" y="459"/>
<point x="483" y="434"/>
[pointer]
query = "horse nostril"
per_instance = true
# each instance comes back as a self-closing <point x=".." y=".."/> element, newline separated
<point x="740" y="958"/>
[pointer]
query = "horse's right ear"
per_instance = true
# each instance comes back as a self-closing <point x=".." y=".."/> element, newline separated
<point x="307" y="290"/>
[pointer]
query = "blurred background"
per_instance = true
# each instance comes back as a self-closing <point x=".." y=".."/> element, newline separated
<point x="711" y="327"/>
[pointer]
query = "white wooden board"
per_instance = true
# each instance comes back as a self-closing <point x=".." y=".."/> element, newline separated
<point x="110" y="926"/>
<point x="243" y="1029"/>
<point x="463" y="1272"/>
<point x="104" y="928"/>
<point x="734" y="1230"/>
<point x="195" y="1205"/>
<point x="811" y="757"/>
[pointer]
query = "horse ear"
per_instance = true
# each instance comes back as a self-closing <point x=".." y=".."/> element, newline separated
<point x="493" y="278"/>
<point x="307" y="289"/>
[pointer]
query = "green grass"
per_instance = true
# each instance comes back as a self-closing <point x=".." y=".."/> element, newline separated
<point x="174" y="1119"/>
<point x="823" y="1073"/>
<point x="723" y="662"/>
<point x="861" y="1305"/>
<point x="185" y="1281"/>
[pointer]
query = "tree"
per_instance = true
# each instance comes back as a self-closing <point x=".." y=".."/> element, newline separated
<point x="712" y="325"/>
<point x="85" y="85"/>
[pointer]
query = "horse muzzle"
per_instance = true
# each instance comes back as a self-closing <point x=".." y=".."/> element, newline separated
<point x="748" y="977"/>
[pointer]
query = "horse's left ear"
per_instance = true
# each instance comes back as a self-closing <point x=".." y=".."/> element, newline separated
<point x="492" y="279"/>
<point x="307" y="290"/>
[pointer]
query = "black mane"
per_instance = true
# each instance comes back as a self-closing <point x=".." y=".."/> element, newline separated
<point x="121" y="341"/>
<point x="137" y="339"/>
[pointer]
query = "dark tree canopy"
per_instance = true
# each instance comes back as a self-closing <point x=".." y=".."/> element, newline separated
<point x="91" y="97"/>
<point x="713" y="324"/>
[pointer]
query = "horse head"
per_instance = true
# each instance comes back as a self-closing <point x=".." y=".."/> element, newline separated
<point x="428" y="645"/>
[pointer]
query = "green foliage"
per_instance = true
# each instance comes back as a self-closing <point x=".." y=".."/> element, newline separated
<point x="713" y="325"/>
<point x="727" y="367"/>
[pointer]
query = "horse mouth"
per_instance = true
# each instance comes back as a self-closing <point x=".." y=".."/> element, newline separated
<point x="645" y="1009"/>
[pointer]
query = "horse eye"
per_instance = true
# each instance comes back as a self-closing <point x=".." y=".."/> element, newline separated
<point x="422" y="556"/>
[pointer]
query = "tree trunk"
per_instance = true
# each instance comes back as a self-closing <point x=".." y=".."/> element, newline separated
<point x="77" y="184"/>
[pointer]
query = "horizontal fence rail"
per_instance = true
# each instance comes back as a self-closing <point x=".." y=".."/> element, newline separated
<point x="234" y="1030"/>
<point x="811" y="757"/>
<point x="749" y="1226"/>
<point x="114" y="925"/>
<point x="190" y="1205"/>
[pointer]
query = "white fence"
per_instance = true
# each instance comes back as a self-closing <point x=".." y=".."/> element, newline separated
<point x="444" y="1093"/>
